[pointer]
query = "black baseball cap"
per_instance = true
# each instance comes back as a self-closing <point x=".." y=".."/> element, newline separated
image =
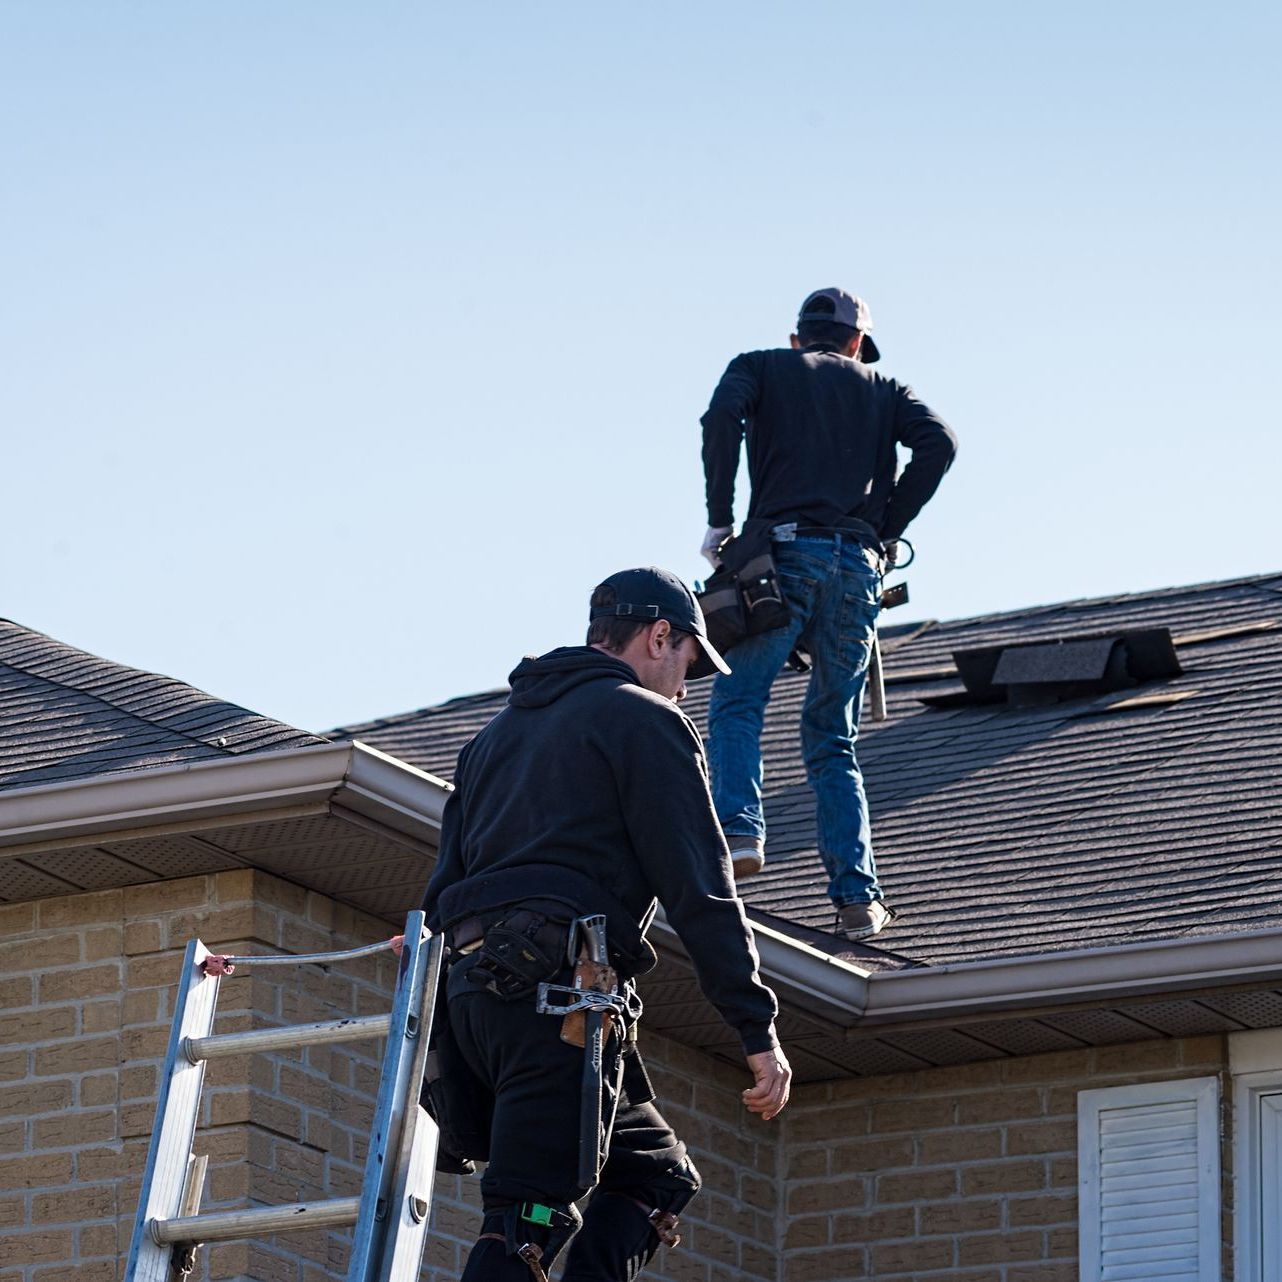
<point x="649" y="593"/>
<point x="847" y="309"/>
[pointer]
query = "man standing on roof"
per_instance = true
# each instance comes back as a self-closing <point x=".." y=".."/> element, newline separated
<point x="586" y="795"/>
<point x="822" y="430"/>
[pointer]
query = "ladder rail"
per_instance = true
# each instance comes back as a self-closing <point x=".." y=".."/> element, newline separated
<point x="177" y="1110"/>
<point x="406" y="1038"/>
<point x="415" y="1170"/>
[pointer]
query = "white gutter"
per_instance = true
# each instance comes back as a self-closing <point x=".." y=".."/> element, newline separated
<point x="295" y="780"/>
<point x="850" y="997"/>
<point x="1094" y="975"/>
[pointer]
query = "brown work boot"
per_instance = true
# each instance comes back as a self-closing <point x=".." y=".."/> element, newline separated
<point x="863" y="921"/>
<point x="747" y="855"/>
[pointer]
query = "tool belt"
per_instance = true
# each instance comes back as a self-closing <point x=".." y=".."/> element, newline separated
<point x="743" y="597"/>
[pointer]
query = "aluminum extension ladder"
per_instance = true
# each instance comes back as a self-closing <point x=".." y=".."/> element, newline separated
<point x="391" y="1214"/>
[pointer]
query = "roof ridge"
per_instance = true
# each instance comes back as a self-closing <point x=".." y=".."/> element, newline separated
<point x="399" y="718"/>
<point x="68" y="651"/>
<point x="1081" y="603"/>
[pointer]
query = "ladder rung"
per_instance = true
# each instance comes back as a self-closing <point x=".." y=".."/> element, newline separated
<point x="226" y="1226"/>
<point x="271" y="1039"/>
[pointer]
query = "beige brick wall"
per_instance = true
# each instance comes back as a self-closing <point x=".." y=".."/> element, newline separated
<point x="86" y="989"/>
<point x="964" y="1174"/>
<point x="959" y="1175"/>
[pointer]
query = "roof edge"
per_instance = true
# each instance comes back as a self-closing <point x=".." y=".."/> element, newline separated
<point x="839" y="992"/>
<point x="1121" y="972"/>
<point x="352" y="774"/>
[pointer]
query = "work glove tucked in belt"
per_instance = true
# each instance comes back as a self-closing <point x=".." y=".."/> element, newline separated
<point x="712" y="541"/>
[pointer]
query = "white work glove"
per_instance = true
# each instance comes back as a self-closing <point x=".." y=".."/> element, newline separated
<point x="714" y="538"/>
<point x="891" y="552"/>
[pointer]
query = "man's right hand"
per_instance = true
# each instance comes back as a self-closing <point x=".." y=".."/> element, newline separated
<point x="715" y="537"/>
<point x="772" y="1079"/>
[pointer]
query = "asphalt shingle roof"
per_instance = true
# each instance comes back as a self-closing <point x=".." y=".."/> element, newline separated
<point x="66" y="714"/>
<point x="1007" y="831"/>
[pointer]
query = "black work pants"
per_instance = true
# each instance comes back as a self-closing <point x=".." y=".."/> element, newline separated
<point x="536" y="1079"/>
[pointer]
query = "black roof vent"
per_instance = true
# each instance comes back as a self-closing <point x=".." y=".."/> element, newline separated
<point x="1039" y="672"/>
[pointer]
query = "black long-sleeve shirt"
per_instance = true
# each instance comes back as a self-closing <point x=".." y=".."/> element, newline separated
<point x="822" y="431"/>
<point x="590" y="790"/>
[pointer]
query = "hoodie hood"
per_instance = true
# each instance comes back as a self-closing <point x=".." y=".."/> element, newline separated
<point x="536" y="682"/>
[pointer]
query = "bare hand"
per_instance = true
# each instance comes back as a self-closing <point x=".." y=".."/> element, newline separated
<point x="772" y="1078"/>
<point x="398" y="943"/>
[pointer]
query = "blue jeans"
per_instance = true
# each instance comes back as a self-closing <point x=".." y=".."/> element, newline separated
<point x="831" y="586"/>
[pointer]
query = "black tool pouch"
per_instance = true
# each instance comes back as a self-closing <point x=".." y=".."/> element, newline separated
<point x="744" y="596"/>
<point x="521" y="951"/>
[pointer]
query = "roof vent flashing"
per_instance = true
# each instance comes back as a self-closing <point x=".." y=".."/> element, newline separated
<point x="1036" y="673"/>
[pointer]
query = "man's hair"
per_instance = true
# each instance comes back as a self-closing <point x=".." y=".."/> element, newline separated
<point x="612" y="632"/>
<point x="827" y="332"/>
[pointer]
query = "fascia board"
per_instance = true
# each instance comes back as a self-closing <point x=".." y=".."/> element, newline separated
<point x="1126" y="972"/>
<point x="848" y="996"/>
<point x="295" y="779"/>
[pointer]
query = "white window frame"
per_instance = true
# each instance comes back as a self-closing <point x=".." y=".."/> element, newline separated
<point x="1205" y="1094"/>
<point x="1255" y="1061"/>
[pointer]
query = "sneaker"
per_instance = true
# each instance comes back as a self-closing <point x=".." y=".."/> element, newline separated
<point x="863" y="921"/>
<point x="747" y="855"/>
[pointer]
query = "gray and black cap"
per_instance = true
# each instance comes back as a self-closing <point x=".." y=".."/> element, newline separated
<point x="846" y="309"/>
<point x="647" y="594"/>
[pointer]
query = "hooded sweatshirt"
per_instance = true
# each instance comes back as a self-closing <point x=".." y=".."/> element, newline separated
<point x="590" y="791"/>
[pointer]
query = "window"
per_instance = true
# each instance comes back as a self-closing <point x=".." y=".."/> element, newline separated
<point x="1149" y="1181"/>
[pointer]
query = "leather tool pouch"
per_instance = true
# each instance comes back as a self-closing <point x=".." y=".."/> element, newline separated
<point x="744" y="597"/>
<point x="521" y="950"/>
<point x="603" y="979"/>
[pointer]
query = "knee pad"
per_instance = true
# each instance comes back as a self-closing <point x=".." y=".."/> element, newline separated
<point x="674" y="1189"/>
<point x="533" y="1232"/>
<point x="625" y="1226"/>
<point x="668" y="1196"/>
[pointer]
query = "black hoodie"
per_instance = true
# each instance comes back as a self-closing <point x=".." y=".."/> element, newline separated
<point x="590" y="790"/>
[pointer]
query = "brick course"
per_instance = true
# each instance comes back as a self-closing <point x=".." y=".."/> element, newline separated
<point x="983" y="1186"/>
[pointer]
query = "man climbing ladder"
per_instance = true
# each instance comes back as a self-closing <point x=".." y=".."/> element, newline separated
<point x="578" y="806"/>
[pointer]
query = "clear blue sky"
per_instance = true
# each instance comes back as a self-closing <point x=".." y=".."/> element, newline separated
<point x="347" y="345"/>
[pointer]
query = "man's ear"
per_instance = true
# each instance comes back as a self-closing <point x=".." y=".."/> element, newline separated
<point x="852" y="347"/>
<point x="795" y="341"/>
<point x="660" y="631"/>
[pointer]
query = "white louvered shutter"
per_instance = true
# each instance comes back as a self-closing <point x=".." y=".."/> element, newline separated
<point x="1149" y="1182"/>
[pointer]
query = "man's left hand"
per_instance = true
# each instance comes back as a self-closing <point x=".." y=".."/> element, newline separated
<point x="772" y="1079"/>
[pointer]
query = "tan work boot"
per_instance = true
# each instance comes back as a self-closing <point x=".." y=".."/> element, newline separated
<point x="863" y="921"/>
<point x="747" y="855"/>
